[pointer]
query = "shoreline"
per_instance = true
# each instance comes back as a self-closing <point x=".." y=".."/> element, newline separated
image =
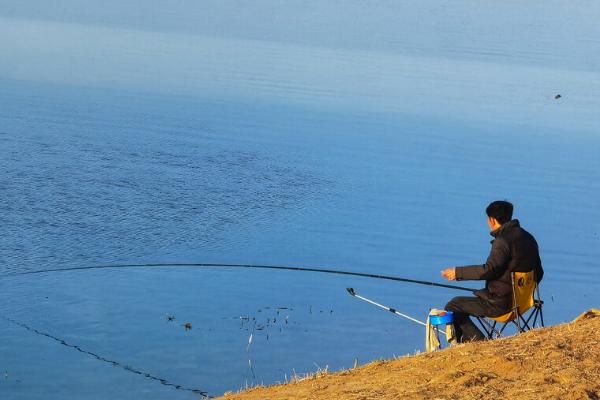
<point x="561" y="361"/>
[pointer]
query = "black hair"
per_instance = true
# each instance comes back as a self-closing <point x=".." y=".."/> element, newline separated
<point x="501" y="210"/>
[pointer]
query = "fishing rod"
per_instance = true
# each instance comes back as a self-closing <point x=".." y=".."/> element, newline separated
<point x="390" y="309"/>
<point x="251" y="266"/>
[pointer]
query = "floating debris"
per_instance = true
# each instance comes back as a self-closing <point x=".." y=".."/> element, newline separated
<point x="558" y="96"/>
<point x="170" y="317"/>
<point x="249" y="342"/>
<point x="187" y="326"/>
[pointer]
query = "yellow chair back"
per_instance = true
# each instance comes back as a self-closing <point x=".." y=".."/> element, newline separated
<point x="524" y="285"/>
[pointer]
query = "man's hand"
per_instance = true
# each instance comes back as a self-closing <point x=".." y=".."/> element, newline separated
<point x="449" y="273"/>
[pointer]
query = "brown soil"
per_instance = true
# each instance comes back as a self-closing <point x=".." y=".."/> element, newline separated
<point x="560" y="362"/>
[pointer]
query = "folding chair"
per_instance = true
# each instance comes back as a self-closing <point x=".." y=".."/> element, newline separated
<point x="526" y="309"/>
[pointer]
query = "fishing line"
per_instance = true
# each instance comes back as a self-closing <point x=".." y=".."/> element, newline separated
<point x="128" y="368"/>
<point x="249" y="266"/>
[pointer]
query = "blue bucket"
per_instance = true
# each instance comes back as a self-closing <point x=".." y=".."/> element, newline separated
<point x="447" y="318"/>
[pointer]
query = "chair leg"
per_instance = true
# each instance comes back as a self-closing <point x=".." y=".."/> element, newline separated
<point x="503" y="327"/>
<point x="486" y="326"/>
<point x="487" y="333"/>
<point x="525" y="326"/>
<point x="538" y="305"/>
<point x="491" y="328"/>
<point x="534" y="315"/>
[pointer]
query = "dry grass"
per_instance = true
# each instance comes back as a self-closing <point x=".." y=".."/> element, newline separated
<point x="558" y="362"/>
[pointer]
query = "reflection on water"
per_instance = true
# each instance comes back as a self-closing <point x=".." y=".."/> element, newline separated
<point x="197" y="138"/>
<point x="98" y="196"/>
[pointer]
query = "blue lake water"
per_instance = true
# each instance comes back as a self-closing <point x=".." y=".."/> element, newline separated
<point x="356" y="137"/>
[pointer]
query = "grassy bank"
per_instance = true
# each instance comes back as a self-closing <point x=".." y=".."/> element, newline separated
<point x="557" y="362"/>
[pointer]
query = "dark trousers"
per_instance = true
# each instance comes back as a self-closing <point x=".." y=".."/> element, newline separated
<point x="463" y="307"/>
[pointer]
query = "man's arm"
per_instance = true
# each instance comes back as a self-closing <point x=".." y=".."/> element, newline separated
<point x="493" y="268"/>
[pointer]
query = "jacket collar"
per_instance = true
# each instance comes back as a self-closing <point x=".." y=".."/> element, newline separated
<point x="506" y="226"/>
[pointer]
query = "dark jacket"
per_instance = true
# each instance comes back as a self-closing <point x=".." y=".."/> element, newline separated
<point x="513" y="250"/>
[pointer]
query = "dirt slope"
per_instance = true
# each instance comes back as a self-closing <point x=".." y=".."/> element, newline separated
<point x="561" y="362"/>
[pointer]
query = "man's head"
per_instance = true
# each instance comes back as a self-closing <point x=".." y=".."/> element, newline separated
<point x="499" y="212"/>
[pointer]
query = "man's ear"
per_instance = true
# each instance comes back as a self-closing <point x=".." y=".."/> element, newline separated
<point x="493" y="222"/>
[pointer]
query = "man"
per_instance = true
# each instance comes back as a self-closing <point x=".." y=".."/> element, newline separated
<point x="513" y="250"/>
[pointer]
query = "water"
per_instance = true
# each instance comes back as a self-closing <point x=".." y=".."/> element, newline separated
<point x="275" y="135"/>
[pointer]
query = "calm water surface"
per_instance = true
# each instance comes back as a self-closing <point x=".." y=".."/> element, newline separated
<point x="275" y="135"/>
